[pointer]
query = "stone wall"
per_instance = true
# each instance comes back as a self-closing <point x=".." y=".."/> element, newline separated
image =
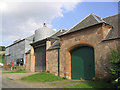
<point x="16" y="51"/>
<point x="91" y="36"/>
<point x="30" y="61"/>
<point x="52" y="61"/>
<point x="32" y="68"/>
<point x="107" y="45"/>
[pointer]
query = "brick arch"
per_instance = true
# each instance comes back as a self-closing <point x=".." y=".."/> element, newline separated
<point x="68" y="55"/>
<point x="78" y="45"/>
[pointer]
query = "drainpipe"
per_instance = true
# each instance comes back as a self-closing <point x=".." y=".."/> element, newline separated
<point x="58" y="62"/>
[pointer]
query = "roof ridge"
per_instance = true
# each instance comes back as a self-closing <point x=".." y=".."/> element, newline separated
<point x="58" y="32"/>
<point x="95" y="20"/>
<point x="111" y="16"/>
<point x="76" y="24"/>
<point x="55" y="43"/>
<point x="96" y="17"/>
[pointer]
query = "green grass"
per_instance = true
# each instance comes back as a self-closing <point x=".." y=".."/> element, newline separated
<point x="92" y="84"/>
<point x="2" y="61"/>
<point x="42" y="77"/>
<point x="2" y="58"/>
<point x="65" y="82"/>
<point x="68" y="82"/>
<point x="19" y="71"/>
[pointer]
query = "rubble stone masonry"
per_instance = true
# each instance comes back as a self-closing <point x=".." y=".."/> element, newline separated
<point x="91" y="36"/>
<point x="52" y="61"/>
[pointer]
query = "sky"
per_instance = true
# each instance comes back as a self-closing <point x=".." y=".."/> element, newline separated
<point x="21" y="19"/>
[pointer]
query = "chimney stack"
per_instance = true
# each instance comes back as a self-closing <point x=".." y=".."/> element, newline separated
<point x="44" y="25"/>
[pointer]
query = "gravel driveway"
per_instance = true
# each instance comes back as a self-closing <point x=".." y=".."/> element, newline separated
<point x="16" y="76"/>
<point x="16" y="83"/>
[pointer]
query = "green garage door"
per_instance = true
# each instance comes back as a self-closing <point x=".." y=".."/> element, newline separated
<point x="82" y="63"/>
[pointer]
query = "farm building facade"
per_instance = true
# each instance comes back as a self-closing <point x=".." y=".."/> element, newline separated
<point x="17" y="50"/>
<point x="80" y="52"/>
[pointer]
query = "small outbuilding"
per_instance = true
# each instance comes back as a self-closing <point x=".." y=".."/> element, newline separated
<point x="39" y="46"/>
<point x="16" y="51"/>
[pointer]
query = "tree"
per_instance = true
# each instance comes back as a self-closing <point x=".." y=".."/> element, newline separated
<point x="114" y="58"/>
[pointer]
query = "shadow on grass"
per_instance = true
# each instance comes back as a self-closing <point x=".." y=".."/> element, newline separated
<point x="92" y="84"/>
<point x="95" y="84"/>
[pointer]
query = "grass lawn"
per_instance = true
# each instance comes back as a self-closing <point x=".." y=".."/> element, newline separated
<point x="92" y="84"/>
<point x="42" y="77"/>
<point x="65" y="82"/>
<point x="1" y="60"/>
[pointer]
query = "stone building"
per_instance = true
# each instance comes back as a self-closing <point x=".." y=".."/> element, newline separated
<point x="83" y="49"/>
<point x="17" y="50"/>
<point x="40" y="44"/>
<point x="78" y="53"/>
<point x="36" y="60"/>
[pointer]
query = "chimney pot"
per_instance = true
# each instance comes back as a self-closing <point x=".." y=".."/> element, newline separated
<point x="44" y="24"/>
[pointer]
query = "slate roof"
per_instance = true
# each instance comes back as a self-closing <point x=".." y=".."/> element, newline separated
<point x="61" y="31"/>
<point x="15" y="43"/>
<point x="90" y="20"/>
<point x="56" y="43"/>
<point x="114" y="32"/>
<point x="28" y="38"/>
<point x="28" y="52"/>
<point x="31" y="38"/>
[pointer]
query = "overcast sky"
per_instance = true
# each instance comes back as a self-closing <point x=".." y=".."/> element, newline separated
<point x="21" y="19"/>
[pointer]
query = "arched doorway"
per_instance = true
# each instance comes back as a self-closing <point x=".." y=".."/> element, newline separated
<point x="82" y="63"/>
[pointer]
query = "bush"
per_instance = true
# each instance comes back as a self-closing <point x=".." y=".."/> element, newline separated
<point x="96" y="79"/>
<point x="64" y="78"/>
<point x="114" y="58"/>
<point x="3" y="58"/>
<point x="109" y="78"/>
<point x="48" y="71"/>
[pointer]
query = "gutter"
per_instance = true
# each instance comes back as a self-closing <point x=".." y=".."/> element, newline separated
<point x="58" y="62"/>
<point x="110" y="39"/>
